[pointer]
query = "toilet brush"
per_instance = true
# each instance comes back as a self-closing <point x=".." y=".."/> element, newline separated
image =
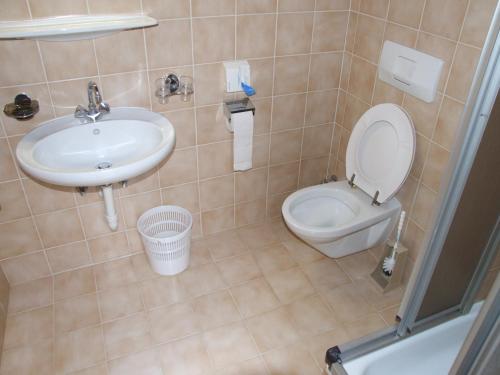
<point x="390" y="261"/>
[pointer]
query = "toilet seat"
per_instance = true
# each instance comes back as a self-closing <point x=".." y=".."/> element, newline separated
<point x="380" y="151"/>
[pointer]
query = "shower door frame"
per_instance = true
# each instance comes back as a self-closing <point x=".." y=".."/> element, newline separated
<point x="480" y="101"/>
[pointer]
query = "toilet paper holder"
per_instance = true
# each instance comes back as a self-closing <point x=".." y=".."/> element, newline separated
<point x="237" y="106"/>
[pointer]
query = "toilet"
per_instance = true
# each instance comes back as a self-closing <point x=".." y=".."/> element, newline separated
<point x="344" y="217"/>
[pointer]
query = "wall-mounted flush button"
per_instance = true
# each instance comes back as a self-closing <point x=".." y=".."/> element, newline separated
<point x="23" y="107"/>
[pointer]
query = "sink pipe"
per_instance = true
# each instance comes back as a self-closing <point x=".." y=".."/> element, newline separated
<point x="109" y="206"/>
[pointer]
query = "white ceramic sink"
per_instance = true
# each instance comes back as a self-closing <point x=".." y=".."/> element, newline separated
<point x="125" y="143"/>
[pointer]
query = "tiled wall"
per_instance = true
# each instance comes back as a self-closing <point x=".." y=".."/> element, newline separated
<point x="453" y="30"/>
<point x="4" y="305"/>
<point x="295" y="49"/>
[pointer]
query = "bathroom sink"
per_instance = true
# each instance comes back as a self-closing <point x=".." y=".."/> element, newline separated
<point x="121" y="145"/>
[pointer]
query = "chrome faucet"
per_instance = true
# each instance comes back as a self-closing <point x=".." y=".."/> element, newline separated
<point x="96" y="107"/>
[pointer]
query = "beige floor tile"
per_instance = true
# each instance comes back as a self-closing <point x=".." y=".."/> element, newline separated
<point x="78" y="350"/>
<point x="272" y="330"/>
<point x="374" y="296"/>
<point x="319" y="344"/>
<point x="257" y="236"/>
<point x="120" y="302"/>
<point x="94" y="370"/>
<point x="225" y="244"/>
<point x="215" y="310"/>
<point x="30" y="295"/>
<point x="142" y="268"/>
<point x="143" y="363"/>
<point x="31" y="359"/>
<point x="28" y="327"/>
<point x="290" y="285"/>
<point x="358" y="265"/>
<point x="301" y="252"/>
<point x="325" y="272"/>
<point x="126" y="336"/>
<point x="74" y="283"/>
<point x="292" y="360"/>
<point x="229" y="345"/>
<point x="199" y="253"/>
<point x="254" y="297"/>
<point x="310" y="316"/>
<point x="173" y="322"/>
<point x="255" y="366"/>
<point x="389" y="314"/>
<point x="280" y="229"/>
<point x="75" y="313"/>
<point x="348" y="303"/>
<point x="185" y="357"/>
<point x="115" y="273"/>
<point x="201" y="280"/>
<point x="164" y="290"/>
<point x="364" y="326"/>
<point x="238" y="269"/>
<point x="274" y="258"/>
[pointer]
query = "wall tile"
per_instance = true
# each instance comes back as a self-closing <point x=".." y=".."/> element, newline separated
<point x="182" y="195"/>
<point x="462" y="72"/>
<point x="211" y="124"/>
<point x="377" y="8"/>
<point x="294" y="33"/>
<point x="216" y="192"/>
<point x="448" y="122"/>
<point x="317" y="140"/>
<point x="288" y="112"/>
<point x="321" y="107"/>
<point x="255" y="36"/>
<point x="285" y="146"/>
<point x="291" y="74"/>
<point x="213" y="39"/>
<point x="256" y="6"/>
<point x="435" y="23"/>
<point x="217" y="220"/>
<point x="329" y="31"/>
<point x="203" y="8"/>
<point x="171" y="35"/>
<point x="17" y="71"/>
<point x="180" y="167"/>
<point x="362" y="79"/>
<point x="215" y="159"/>
<point x="251" y="185"/>
<point x="129" y="46"/>
<point x="477" y="20"/>
<point x="406" y="13"/>
<point x="64" y="60"/>
<point x="325" y="71"/>
<point x="369" y="36"/>
<point x="162" y="9"/>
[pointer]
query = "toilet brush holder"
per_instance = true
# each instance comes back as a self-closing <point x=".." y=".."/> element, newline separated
<point x="395" y="279"/>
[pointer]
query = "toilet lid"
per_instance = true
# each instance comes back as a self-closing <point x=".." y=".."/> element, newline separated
<point x="380" y="150"/>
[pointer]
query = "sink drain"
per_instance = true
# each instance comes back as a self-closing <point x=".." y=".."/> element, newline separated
<point x="104" y="165"/>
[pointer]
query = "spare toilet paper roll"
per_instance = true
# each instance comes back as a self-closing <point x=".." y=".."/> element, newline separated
<point x="242" y="124"/>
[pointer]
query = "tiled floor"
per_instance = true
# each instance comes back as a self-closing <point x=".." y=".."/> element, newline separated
<point x="254" y="301"/>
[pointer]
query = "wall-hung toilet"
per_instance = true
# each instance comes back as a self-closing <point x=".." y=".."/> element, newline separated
<point x="344" y="217"/>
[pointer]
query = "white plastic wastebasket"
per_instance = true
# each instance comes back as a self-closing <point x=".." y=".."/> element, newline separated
<point x="166" y="235"/>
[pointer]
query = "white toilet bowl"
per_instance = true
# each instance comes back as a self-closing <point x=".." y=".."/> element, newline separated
<point x="341" y="218"/>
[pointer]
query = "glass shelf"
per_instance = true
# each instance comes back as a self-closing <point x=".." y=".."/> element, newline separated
<point x="66" y="28"/>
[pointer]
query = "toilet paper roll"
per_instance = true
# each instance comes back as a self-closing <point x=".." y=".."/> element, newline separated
<point x="242" y="125"/>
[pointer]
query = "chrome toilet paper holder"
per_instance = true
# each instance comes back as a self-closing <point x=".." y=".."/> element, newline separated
<point x="237" y="106"/>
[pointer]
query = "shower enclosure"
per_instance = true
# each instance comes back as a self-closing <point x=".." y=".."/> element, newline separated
<point x="462" y="245"/>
